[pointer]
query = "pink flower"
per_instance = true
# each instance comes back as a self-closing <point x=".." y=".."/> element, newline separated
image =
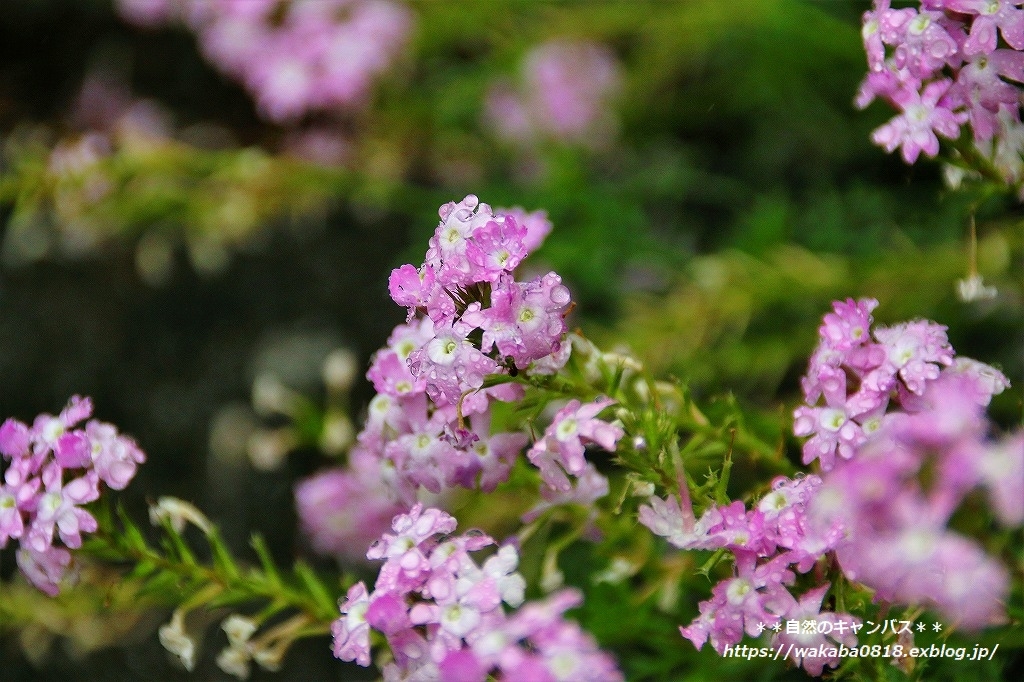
<point x="925" y="45"/>
<point x="15" y="439"/>
<point x="1001" y="471"/>
<point x="448" y="620"/>
<point x="497" y="247"/>
<point x="755" y="596"/>
<point x="293" y="58"/>
<point x="849" y="325"/>
<point x="916" y="350"/>
<point x="983" y="381"/>
<point x="58" y="510"/>
<point x="561" y="449"/>
<point x="981" y="88"/>
<point x="808" y="608"/>
<point x="923" y="115"/>
<point x="351" y="632"/>
<point x="566" y="92"/>
<point x="46" y="569"/>
<point x="343" y="511"/>
<point x="450" y="365"/>
<point x="11" y="523"/>
<point x="115" y="457"/>
<point x="832" y="430"/>
<point x="990" y="15"/>
<point x="536" y="224"/>
<point x="585" y="490"/>
<point x="41" y="504"/>
<point x="525" y="320"/>
<point x="389" y="369"/>
<point x="677" y="523"/>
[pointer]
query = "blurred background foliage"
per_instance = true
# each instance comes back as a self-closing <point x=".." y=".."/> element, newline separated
<point x="164" y="249"/>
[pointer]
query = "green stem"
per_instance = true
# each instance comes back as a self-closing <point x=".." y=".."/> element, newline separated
<point x="221" y="581"/>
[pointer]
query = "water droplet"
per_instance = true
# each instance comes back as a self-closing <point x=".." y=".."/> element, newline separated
<point x="560" y="295"/>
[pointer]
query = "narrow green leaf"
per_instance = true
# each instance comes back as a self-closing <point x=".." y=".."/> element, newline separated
<point x="143" y="569"/>
<point x="222" y="558"/>
<point x="130" y="535"/>
<point x="177" y="546"/>
<point x="165" y="585"/>
<point x="230" y="598"/>
<point x="315" y="587"/>
<point x="266" y="561"/>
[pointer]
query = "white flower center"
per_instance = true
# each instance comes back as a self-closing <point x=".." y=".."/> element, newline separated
<point x="356" y="615"/>
<point x="53" y="430"/>
<point x="919" y="24"/>
<point x="452" y="235"/>
<point x="918" y="545"/>
<point x="459" y="619"/>
<point x="737" y="590"/>
<point x="566" y="429"/>
<point x="404" y="349"/>
<point x="870" y="28"/>
<point x="442" y="350"/>
<point x="916" y="113"/>
<point x="50" y="504"/>
<point x="774" y="501"/>
<point x="832" y="419"/>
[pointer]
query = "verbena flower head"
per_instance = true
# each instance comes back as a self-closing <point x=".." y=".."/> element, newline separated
<point x="858" y="370"/>
<point x="50" y="471"/>
<point x="342" y="511"/>
<point x="755" y="595"/>
<point x="768" y="541"/>
<point x="294" y="57"/>
<point x="943" y="66"/>
<point x="442" y="613"/>
<point x="466" y="283"/>
<point x="565" y="94"/>
<point x="895" y="496"/>
<point x="429" y="427"/>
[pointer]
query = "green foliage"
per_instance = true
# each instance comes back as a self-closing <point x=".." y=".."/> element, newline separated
<point x="738" y="197"/>
<point x="171" y="573"/>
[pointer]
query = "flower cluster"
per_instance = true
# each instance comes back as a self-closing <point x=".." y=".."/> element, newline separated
<point x="943" y="66"/>
<point x="429" y="426"/>
<point x="52" y="470"/>
<point x="442" y="615"/>
<point x="767" y="542"/>
<point x="907" y="421"/>
<point x="565" y="95"/>
<point x="860" y="373"/>
<point x="294" y="57"/>
<point x="902" y="440"/>
<point x="342" y="510"/>
<point x="466" y="284"/>
<point x="898" y="493"/>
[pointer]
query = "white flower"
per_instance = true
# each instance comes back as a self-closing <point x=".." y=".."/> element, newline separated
<point x="174" y="638"/>
<point x="179" y="512"/>
<point x="973" y="289"/>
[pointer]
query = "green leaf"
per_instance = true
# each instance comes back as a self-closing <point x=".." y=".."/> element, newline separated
<point x="222" y="558"/>
<point x="266" y="561"/>
<point x="315" y="587"/>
